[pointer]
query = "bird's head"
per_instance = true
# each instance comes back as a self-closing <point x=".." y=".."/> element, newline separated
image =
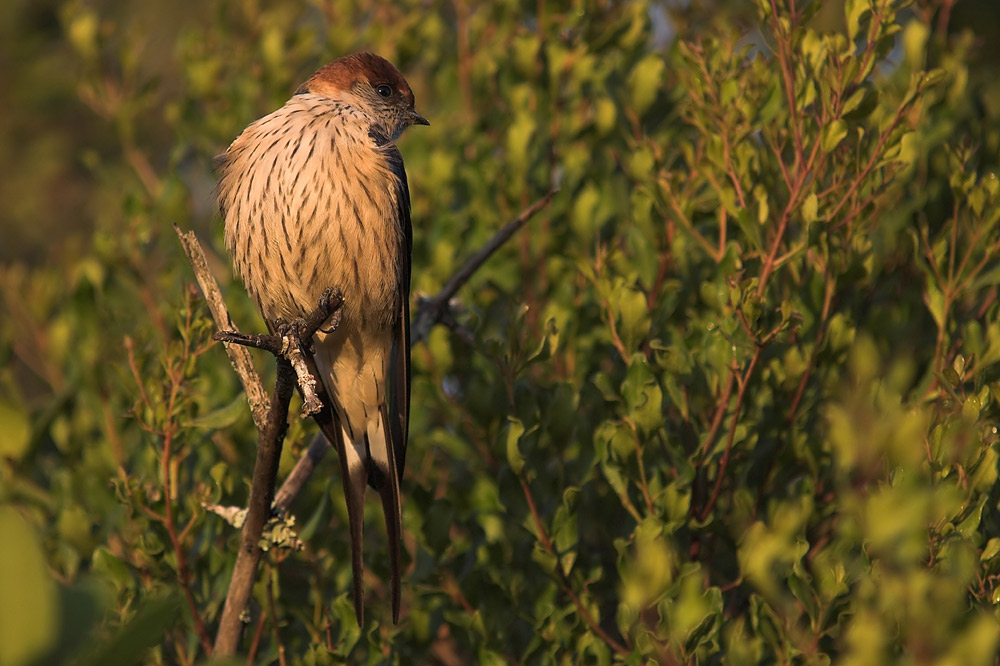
<point x="371" y="83"/>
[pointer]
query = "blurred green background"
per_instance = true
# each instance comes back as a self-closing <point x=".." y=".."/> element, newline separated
<point x="732" y="397"/>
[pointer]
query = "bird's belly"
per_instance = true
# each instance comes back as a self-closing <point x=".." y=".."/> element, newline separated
<point x="323" y="237"/>
<point x="341" y="256"/>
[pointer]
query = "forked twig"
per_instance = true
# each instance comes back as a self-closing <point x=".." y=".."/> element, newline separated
<point x="294" y="341"/>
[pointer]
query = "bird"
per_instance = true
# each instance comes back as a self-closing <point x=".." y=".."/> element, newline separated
<point x="315" y="195"/>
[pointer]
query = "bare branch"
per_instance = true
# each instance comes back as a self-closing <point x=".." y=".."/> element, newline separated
<point x="311" y="404"/>
<point x="264" y="472"/>
<point x="300" y="473"/>
<point x="289" y="341"/>
<point x="291" y="348"/>
<point x="430" y="310"/>
<point x="238" y="356"/>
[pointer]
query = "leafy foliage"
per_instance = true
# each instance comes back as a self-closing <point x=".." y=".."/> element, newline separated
<point x="732" y="397"/>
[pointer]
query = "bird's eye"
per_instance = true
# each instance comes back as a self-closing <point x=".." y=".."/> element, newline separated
<point x="384" y="90"/>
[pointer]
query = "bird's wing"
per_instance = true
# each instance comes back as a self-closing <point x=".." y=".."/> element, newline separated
<point x="395" y="412"/>
<point x="399" y="362"/>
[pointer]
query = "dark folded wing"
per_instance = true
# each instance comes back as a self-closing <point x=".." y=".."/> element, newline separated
<point x="395" y="413"/>
<point x="399" y="360"/>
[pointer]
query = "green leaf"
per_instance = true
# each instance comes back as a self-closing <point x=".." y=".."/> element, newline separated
<point x="676" y="503"/>
<point x="750" y="227"/>
<point x="915" y="44"/>
<point x="519" y="136"/>
<point x="614" y="476"/>
<point x="438" y="519"/>
<point x="16" y="429"/>
<point x="643" y="397"/>
<point x="82" y="33"/>
<point x="801" y="590"/>
<point x="854" y="10"/>
<point x="809" y="208"/>
<point x="564" y="535"/>
<point x="833" y="134"/>
<point x="932" y="77"/>
<point x="991" y="550"/>
<point x="644" y="82"/>
<point x="959" y="365"/>
<point x="585" y="209"/>
<point x="29" y="612"/>
<point x="342" y="608"/>
<point x="223" y="417"/>
<point x="316" y="518"/>
<point x="605" y="115"/>
<point x="934" y="300"/>
<point x="110" y="567"/>
<point x="854" y="101"/>
<point x="635" y="320"/>
<point x="515" y="429"/>
<point x="763" y="208"/>
<point x="970" y="525"/>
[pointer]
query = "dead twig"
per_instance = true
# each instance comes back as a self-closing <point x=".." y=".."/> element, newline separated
<point x="238" y="356"/>
<point x="293" y="342"/>
<point x="432" y="310"/>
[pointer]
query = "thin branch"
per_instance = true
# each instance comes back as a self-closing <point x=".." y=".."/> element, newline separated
<point x="870" y="165"/>
<point x="788" y="79"/>
<point x="271" y="610"/>
<point x="300" y="473"/>
<point x="643" y="485"/>
<point x="255" y="643"/>
<point x="715" y="254"/>
<point x="464" y="55"/>
<point x="828" y="290"/>
<point x="429" y="310"/>
<point x="720" y="475"/>
<point x="238" y="356"/>
<point x="563" y="578"/>
<point x="265" y="469"/>
<point x="616" y="339"/>
<point x="175" y="374"/>
<point x="720" y="411"/>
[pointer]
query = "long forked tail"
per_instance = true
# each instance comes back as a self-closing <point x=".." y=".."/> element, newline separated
<point x="354" y="477"/>
<point x="379" y="470"/>
<point x="370" y="446"/>
<point x="384" y="478"/>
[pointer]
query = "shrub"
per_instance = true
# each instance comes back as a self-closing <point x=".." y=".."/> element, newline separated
<point x="731" y="397"/>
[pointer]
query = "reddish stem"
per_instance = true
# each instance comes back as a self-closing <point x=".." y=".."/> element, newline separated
<point x="561" y="574"/>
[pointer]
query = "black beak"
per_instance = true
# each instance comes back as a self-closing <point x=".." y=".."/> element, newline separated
<point x="417" y="119"/>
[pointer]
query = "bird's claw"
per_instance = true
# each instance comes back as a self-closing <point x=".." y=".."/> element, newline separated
<point x="334" y="323"/>
<point x="331" y="299"/>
